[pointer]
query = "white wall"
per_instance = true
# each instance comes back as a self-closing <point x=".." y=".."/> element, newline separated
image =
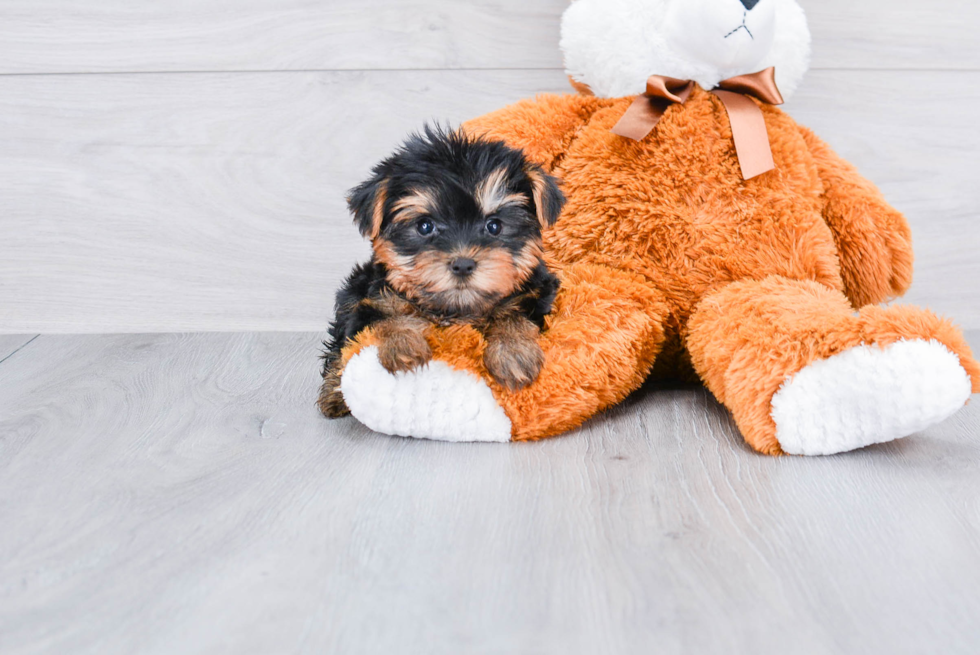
<point x="182" y="165"/>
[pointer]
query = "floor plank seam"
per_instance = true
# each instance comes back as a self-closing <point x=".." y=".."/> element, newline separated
<point x="32" y="340"/>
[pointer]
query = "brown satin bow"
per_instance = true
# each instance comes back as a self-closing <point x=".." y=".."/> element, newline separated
<point x="748" y="123"/>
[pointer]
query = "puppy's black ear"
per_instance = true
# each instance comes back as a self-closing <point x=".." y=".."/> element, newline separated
<point x="548" y="198"/>
<point x="367" y="204"/>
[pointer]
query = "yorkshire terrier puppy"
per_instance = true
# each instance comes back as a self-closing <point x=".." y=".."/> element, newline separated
<point x="455" y="225"/>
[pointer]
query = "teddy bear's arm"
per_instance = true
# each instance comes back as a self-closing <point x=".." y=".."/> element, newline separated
<point x="873" y="239"/>
<point x="542" y="127"/>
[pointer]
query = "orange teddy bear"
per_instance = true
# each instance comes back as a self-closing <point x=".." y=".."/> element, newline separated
<point x="684" y="249"/>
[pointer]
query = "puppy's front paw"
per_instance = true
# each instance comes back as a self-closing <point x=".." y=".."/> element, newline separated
<point x="404" y="351"/>
<point x="331" y="402"/>
<point x="514" y="364"/>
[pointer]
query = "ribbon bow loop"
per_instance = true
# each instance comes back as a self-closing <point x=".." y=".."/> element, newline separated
<point x="761" y="85"/>
<point x="748" y="123"/>
<point x="669" y="88"/>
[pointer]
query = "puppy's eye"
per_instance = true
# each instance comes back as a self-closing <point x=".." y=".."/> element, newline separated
<point x="494" y="226"/>
<point x="425" y="227"/>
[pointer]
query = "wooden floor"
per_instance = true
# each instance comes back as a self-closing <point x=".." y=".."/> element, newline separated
<point x="180" y="494"/>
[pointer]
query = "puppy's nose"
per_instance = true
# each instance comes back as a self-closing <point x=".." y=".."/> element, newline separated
<point x="463" y="266"/>
<point x="749" y="4"/>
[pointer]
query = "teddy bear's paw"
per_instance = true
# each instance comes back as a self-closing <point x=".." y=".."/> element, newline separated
<point x="435" y="401"/>
<point x="868" y="394"/>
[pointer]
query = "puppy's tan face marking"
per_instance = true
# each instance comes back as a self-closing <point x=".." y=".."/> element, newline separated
<point x="399" y="266"/>
<point x="416" y="204"/>
<point x="427" y="277"/>
<point x="492" y="193"/>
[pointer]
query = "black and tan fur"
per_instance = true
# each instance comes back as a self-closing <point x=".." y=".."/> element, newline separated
<point x="455" y="225"/>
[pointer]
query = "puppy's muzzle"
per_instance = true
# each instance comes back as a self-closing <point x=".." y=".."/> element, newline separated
<point x="463" y="267"/>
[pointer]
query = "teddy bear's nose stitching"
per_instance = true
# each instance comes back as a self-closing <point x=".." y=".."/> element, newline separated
<point x="743" y="26"/>
<point x="749" y="4"/>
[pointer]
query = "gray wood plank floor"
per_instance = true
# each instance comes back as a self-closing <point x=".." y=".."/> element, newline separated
<point x="11" y="343"/>
<point x="179" y="494"/>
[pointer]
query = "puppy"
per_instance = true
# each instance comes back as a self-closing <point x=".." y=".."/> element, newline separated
<point x="455" y="225"/>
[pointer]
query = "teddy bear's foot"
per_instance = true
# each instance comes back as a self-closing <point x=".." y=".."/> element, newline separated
<point x="434" y="401"/>
<point x="868" y="394"/>
<point x="803" y="373"/>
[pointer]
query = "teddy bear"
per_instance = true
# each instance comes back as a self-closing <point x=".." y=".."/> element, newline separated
<point x="706" y="235"/>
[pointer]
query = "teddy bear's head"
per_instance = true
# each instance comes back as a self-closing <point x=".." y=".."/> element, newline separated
<point x="613" y="46"/>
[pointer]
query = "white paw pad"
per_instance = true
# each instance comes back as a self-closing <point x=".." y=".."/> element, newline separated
<point x="868" y="395"/>
<point x="432" y="402"/>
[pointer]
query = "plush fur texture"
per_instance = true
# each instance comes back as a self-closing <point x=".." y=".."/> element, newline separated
<point x="671" y="263"/>
<point x="749" y="337"/>
<point x="740" y="283"/>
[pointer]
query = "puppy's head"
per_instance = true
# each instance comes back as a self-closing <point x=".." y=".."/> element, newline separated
<point x="456" y="220"/>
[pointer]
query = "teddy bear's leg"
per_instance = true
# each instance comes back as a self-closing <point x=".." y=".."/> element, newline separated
<point x="802" y="373"/>
<point x="602" y="337"/>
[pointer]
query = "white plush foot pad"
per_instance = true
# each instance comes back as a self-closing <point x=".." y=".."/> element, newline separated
<point x="433" y="402"/>
<point x="867" y="395"/>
